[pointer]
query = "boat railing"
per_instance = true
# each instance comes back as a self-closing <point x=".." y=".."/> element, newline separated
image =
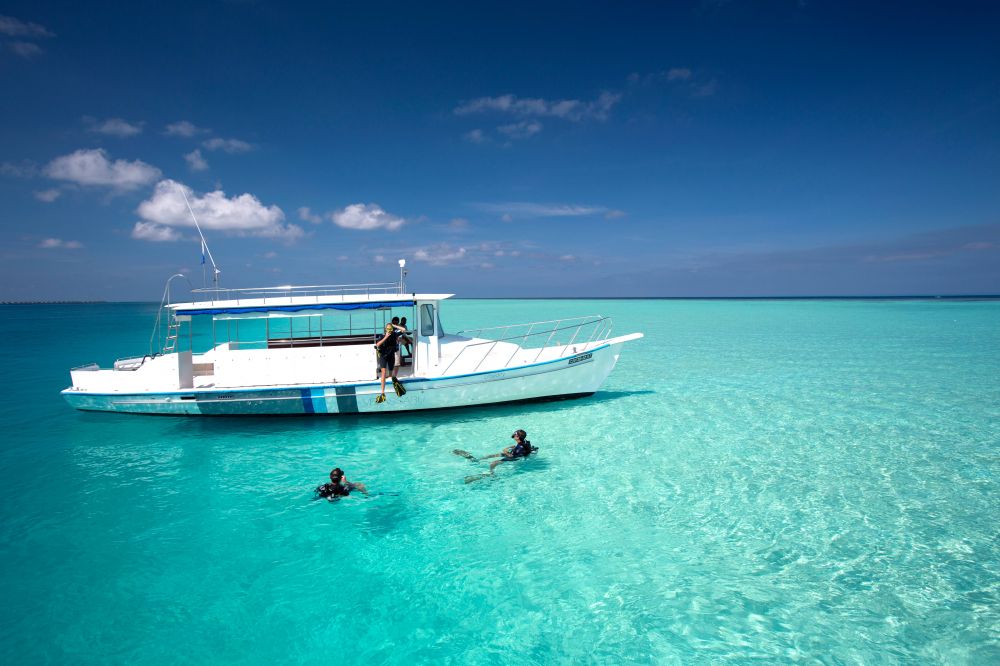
<point x="316" y="292"/>
<point x="579" y="331"/>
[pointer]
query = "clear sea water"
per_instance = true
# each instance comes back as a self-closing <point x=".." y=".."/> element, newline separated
<point x="779" y="481"/>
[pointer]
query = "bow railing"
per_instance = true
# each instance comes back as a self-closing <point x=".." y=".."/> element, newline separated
<point x="578" y="331"/>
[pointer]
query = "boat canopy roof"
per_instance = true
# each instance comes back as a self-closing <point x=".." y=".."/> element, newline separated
<point x="290" y="302"/>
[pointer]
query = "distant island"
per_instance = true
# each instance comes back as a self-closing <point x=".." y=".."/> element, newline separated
<point x="50" y="302"/>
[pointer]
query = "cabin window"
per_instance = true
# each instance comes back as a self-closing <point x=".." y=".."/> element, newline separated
<point x="426" y="319"/>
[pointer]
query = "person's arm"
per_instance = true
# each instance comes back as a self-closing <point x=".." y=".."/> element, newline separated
<point x="359" y="486"/>
<point x="384" y="338"/>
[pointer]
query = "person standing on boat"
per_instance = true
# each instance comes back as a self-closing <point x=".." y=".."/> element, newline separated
<point x="404" y="339"/>
<point x="385" y="350"/>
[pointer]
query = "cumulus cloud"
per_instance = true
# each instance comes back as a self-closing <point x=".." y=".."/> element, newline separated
<point x="114" y="127"/>
<point x="242" y="215"/>
<point x="157" y="233"/>
<point x="475" y="136"/>
<point x="441" y="254"/>
<point x="366" y="217"/>
<point x="26" y="169"/>
<point x="524" y="209"/>
<point x="568" y="109"/>
<point x="306" y="215"/>
<point x="22" y="31"/>
<point x="47" y="196"/>
<point x="678" y="74"/>
<point x="93" y="168"/>
<point x="195" y="161"/>
<point x="521" y="130"/>
<point x="184" y="129"/>
<point x="58" y="243"/>
<point x="26" y="49"/>
<point x="13" y="27"/>
<point x="706" y="89"/>
<point x="232" y="146"/>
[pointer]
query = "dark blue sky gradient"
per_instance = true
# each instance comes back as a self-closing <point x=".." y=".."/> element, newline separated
<point x="748" y="148"/>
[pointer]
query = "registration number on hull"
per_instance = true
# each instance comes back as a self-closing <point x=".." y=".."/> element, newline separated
<point x="581" y="358"/>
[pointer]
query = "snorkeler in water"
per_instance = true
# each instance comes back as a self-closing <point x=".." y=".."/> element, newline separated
<point x="522" y="448"/>
<point x="339" y="486"/>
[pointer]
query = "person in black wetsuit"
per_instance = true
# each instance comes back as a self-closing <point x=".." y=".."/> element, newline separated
<point x="522" y="448"/>
<point x="339" y="486"/>
<point x="386" y="351"/>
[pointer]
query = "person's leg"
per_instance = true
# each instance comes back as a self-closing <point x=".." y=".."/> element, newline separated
<point x="383" y="380"/>
<point x="495" y="463"/>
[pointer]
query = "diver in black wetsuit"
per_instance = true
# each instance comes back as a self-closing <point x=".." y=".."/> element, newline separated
<point x="522" y="448"/>
<point x="339" y="486"/>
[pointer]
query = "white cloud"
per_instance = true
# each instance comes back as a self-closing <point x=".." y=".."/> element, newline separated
<point x="306" y="215"/>
<point x="150" y="231"/>
<point x="614" y="214"/>
<point x="569" y="109"/>
<point x="26" y="169"/>
<point x="92" y="167"/>
<point x="475" y="136"/>
<point x="239" y="215"/>
<point x="12" y="27"/>
<point x="114" y="127"/>
<point x="458" y="224"/>
<point x="26" y="49"/>
<point x="678" y="74"/>
<point x="270" y="255"/>
<point x="379" y="259"/>
<point x="365" y="217"/>
<point x="524" y="209"/>
<point x="58" y="243"/>
<point x="47" y="196"/>
<point x="441" y="254"/>
<point x="184" y="128"/>
<point x="521" y="130"/>
<point x="195" y="161"/>
<point x="705" y="89"/>
<point x="232" y="146"/>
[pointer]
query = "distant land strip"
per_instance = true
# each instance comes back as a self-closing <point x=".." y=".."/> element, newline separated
<point x="50" y="302"/>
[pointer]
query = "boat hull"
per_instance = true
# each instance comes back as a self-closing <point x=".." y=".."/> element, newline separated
<point x="571" y="376"/>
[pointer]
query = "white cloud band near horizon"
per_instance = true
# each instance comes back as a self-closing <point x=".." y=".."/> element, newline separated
<point x="526" y="209"/>
<point x="165" y="212"/>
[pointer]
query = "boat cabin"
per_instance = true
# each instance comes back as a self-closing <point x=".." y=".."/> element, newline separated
<point x="290" y="336"/>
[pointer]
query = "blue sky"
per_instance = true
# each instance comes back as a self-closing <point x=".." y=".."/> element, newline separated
<point x="504" y="149"/>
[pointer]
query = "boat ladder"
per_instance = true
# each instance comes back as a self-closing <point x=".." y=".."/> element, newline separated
<point x="173" y="329"/>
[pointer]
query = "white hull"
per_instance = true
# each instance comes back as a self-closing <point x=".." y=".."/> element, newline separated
<point x="571" y="375"/>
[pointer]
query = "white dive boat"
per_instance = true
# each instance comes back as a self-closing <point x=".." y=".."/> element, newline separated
<point x="309" y="350"/>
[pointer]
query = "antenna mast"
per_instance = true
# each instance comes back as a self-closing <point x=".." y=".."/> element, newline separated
<point x="204" y="243"/>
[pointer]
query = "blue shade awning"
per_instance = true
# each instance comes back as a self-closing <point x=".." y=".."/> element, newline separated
<point x="374" y="305"/>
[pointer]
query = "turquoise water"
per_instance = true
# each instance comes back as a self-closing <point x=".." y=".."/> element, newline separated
<point x="769" y="480"/>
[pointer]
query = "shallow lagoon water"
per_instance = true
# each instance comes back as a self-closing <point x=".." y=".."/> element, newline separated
<point x="774" y="480"/>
